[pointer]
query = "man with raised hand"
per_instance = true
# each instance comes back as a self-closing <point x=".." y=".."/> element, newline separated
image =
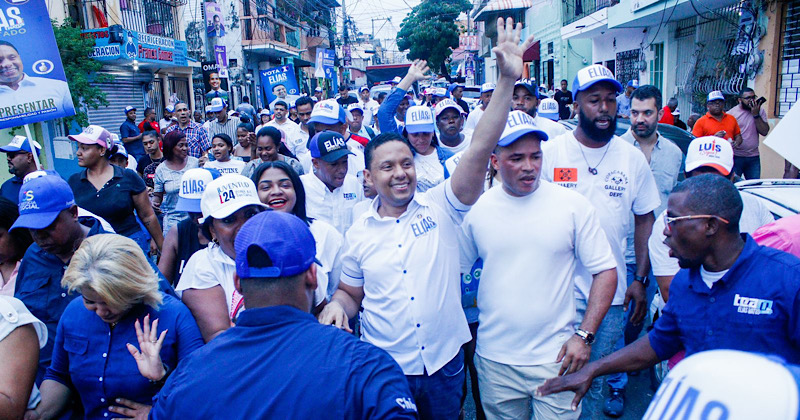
<point x="401" y="260"/>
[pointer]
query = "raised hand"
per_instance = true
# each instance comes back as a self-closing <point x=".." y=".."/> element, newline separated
<point x="148" y="360"/>
<point x="417" y="71"/>
<point x="508" y="50"/>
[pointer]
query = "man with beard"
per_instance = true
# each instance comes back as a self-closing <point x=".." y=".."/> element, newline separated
<point x="616" y="178"/>
<point x="730" y="294"/>
<point x="665" y="159"/>
<point x="752" y="120"/>
<point x="20" y="163"/>
<point x="526" y="99"/>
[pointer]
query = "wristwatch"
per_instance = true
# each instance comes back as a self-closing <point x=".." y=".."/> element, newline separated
<point x="642" y="279"/>
<point x="758" y="116"/>
<point x="587" y="337"/>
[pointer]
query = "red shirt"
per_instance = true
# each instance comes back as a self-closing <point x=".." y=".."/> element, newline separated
<point x="153" y="126"/>
<point x="668" y="118"/>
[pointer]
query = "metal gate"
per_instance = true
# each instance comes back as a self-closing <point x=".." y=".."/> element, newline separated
<point x="126" y="89"/>
<point x="789" y="77"/>
<point x="179" y="87"/>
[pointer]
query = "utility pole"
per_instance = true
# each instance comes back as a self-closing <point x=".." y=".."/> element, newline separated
<point x="345" y="45"/>
<point x="383" y="50"/>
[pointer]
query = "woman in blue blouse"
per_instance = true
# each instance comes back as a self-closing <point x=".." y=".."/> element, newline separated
<point x="93" y="354"/>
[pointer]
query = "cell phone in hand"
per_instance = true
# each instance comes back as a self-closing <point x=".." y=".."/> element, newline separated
<point x="760" y="101"/>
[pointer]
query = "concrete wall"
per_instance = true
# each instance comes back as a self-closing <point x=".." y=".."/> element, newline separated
<point x="765" y="85"/>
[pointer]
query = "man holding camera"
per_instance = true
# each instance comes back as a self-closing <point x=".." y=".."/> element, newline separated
<point x="752" y="121"/>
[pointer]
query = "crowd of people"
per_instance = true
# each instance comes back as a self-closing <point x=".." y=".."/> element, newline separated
<point x="360" y="258"/>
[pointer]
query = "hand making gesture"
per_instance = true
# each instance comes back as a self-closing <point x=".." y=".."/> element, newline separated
<point x="148" y="358"/>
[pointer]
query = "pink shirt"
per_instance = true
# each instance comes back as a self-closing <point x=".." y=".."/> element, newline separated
<point x="783" y="234"/>
<point x="7" y="287"/>
<point x="747" y="124"/>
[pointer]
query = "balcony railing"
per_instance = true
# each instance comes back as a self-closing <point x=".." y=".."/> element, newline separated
<point x="156" y="17"/>
<point x="257" y="30"/>
<point x="573" y="10"/>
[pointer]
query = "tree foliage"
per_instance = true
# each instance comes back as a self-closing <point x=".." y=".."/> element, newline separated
<point x="80" y="70"/>
<point x="429" y="32"/>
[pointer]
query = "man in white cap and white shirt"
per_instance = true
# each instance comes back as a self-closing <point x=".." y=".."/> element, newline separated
<point x="526" y="99"/>
<point x="368" y="105"/>
<point x="548" y="108"/>
<point x="450" y="124"/>
<point x="616" y="178"/>
<point x="713" y="155"/>
<point x="475" y="115"/>
<point x="526" y="331"/>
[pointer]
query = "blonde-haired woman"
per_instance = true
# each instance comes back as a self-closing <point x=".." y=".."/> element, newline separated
<point x="93" y="354"/>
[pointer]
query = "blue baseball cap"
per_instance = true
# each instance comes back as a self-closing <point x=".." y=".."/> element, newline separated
<point x="328" y="146"/>
<point x="519" y="124"/>
<point x="193" y="184"/>
<point x="590" y="75"/>
<point x="41" y="200"/>
<point x="328" y="112"/>
<point x="530" y="85"/>
<point x="633" y="83"/>
<point x="286" y="240"/>
<point x="419" y="119"/>
<point x="20" y="144"/>
<point x="129" y="109"/>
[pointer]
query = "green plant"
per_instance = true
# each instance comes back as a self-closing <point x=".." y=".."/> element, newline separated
<point x="429" y="32"/>
<point x="81" y="71"/>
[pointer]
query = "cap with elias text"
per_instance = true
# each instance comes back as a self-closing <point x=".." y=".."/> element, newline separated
<point x="193" y="184"/>
<point x="715" y="96"/>
<point x="419" y="119"/>
<point x="41" y="200"/>
<point x="227" y="194"/>
<point x="548" y="108"/>
<point x="445" y="104"/>
<point x="284" y="238"/>
<point x="94" y="134"/>
<point x="217" y="105"/>
<point x="590" y="75"/>
<point x="20" y="144"/>
<point x="328" y="112"/>
<point x="711" y="384"/>
<point x="519" y="124"/>
<point x="710" y="151"/>
<point x="530" y="85"/>
<point x="328" y="146"/>
<point x="487" y="87"/>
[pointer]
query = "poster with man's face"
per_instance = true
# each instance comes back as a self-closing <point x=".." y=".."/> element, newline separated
<point x="215" y="26"/>
<point x="215" y="86"/>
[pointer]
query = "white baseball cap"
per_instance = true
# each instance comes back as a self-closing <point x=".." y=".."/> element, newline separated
<point x="444" y="104"/>
<point x="216" y="105"/>
<point x="328" y="112"/>
<point x="729" y="384"/>
<point x="225" y="195"/>
<point x="440" y="91"/>
<point x="590" y="75"/>
<point x="519" y="124"/>
<point x="548" y="108"/>
<point x="193" y="183"/>
<point x="317" y="89"/>
<point x="419" y="119"/>
<point x="20" y="144"/>
<point x="715" y="96"/>
<point x="487" y="87"/>
<point x="710" y="151"/>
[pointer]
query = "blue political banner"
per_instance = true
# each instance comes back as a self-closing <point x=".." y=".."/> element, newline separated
<point x="325" y="66"/>
<point x="33" y="87"/>
<point x="119" y="45"/>
<point x="280" y="83"/>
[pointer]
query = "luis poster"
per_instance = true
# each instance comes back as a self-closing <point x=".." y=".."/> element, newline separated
<point x="280" y="83"/>
<point x="33" y="87"/>
<point x="215" y="86"/>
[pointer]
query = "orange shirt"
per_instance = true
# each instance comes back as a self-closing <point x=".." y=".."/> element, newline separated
<point x="708" y="126"/>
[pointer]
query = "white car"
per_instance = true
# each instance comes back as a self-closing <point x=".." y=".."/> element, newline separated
<point x="781" y="196"/>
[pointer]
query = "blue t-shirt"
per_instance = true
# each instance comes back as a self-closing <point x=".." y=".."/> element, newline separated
<point x="469" y="291"/>
<point x="754" y="307"/>
<point x="10" y="189"/>
<point x="279" y="362"/>
<point x="129" y="129"/>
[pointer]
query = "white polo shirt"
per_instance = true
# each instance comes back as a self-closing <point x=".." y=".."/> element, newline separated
<point x="473" y="118"/>
<point x="409" y="269"/>
<point x="211" y="267"/>
<point x="334" y="207"/>
<point x="526" y="296"/>
<point x="329" y="248"/>
<point x="370" y="110"/>
<point x="623" y="183"/>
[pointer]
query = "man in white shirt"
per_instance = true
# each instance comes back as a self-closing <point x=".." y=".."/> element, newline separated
<point x="282" y="122"/>
<point x="526" y="99"/>
<point x="713" y="155"/>
<point x="368" y="105"/>
<point x="304" y="106"/>
<point x="21" y="94"/>
<point x="165" y="122"/>
<point x="401" y="259"/>
<point x="450" y="122"/>
<point x="475" y="115"/>
<point x="616" y="178"/>
<point x="328" y="115"/>
<point x="526" y="297"/>
<point x="331" y="192"/>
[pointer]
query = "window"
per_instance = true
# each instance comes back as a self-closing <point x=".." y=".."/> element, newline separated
<point x="549" y="47"/>
<point x="657" y="66"/>
<point x="789" y="75"/>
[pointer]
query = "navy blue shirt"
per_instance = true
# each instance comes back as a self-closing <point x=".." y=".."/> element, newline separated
<point x="10" y="189"/>
<point x="279" y="362"/>
<point x="755" y="307"/>
<point x="92" y="359"/>
<point x="113" y="202"/>
<point x="129" y="129"/>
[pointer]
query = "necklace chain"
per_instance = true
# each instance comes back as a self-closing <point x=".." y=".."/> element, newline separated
<point x="592" y="170"/>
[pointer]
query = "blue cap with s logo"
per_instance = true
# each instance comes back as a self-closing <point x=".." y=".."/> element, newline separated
<point x="41" y="200"/>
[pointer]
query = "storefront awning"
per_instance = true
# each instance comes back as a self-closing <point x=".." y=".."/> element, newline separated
<point x="532" y="53"/>
<point x="502" y="5"/>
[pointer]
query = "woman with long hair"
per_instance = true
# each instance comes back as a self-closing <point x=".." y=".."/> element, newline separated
<point x="167" y="180"/>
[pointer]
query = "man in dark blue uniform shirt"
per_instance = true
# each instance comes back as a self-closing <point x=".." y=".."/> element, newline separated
<point x="278" y="361"/>
<point x="731" y="293"/>
<point x="130" y="134"/>
<point x="20" y="163"/>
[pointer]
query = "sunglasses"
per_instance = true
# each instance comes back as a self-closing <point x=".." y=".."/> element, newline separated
<point x="668" y="221"/>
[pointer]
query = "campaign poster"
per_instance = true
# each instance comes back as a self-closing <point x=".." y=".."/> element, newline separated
<point x="280" y="83"/>
<point x="215" y="26"/>
<point x="33" y="87"/>
<point x="215" y="85"/>
<point x="325" y="66"/>
<point x="221" y="55"/>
